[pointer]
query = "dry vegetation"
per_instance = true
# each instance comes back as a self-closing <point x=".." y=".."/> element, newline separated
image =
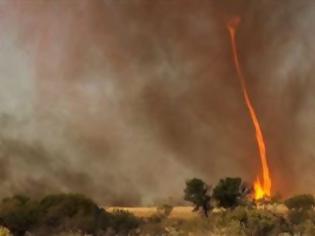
<point x="179" y="212"/>
<point x="226" y="211"/>
<point x="75" y="215"/>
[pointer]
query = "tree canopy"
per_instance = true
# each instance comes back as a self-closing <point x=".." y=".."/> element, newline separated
<point x="196" y="192"/>
<point x="230" y="192"/>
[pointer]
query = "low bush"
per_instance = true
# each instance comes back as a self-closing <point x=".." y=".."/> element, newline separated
<point x="162" y="213"/>
<point x="164" y="210"/>
<point x="61" y="213"/>
<point x="301" y="214"/>
<point x="301" y="202"/>
<point x="250" y="221"/>
<point x="123" y="221"/>
<point x="19" y="214"/>
<point x="72" y="212"/>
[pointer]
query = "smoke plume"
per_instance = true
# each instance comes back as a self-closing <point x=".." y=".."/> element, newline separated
<point x="125" y="100"/>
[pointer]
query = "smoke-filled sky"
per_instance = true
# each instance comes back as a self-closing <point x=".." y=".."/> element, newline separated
<point x="123" y="100"/>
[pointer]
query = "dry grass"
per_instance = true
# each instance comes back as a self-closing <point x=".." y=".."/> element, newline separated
<point x="179" y="212"/>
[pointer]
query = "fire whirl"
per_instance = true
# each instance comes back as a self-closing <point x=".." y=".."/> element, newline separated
<point x="262" y="188"/>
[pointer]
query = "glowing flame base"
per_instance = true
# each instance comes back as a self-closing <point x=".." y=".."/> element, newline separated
<point x="262" y="189"/>
<point x="259" y="192"/>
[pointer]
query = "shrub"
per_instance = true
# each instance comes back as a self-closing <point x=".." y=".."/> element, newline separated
<point x="62" y="213"/>
<point x="306" y="227"/>
<point x="239" y="214"/>
<point x="300" y="202"/>
<point x="164" y="210"/>
<point x="260" y="222"/>
<point x="233" y="228"/>
<point x="72" y="212"/>
<point x="297" y="217"/>
<point x="250" y="221"/>
<point x="230" y="192"/>
<point x="124" y="221"/>
<point x="19" y="214"/>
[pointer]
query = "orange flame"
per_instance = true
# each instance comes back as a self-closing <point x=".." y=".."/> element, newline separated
<point x="259" y="190"/>
<point x="262" y="189"/>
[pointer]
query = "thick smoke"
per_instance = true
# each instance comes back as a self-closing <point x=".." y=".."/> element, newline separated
<point x="125" y="100"/>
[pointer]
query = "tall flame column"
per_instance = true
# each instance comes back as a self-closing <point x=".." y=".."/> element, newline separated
<point x="262" y="188"/>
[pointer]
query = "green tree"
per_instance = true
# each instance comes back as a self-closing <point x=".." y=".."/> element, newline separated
<point x="230" y="192"/>
<point x="196" y="192"/>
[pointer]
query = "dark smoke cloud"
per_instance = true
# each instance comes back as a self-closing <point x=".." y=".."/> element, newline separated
<point x="124" y="100"/>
